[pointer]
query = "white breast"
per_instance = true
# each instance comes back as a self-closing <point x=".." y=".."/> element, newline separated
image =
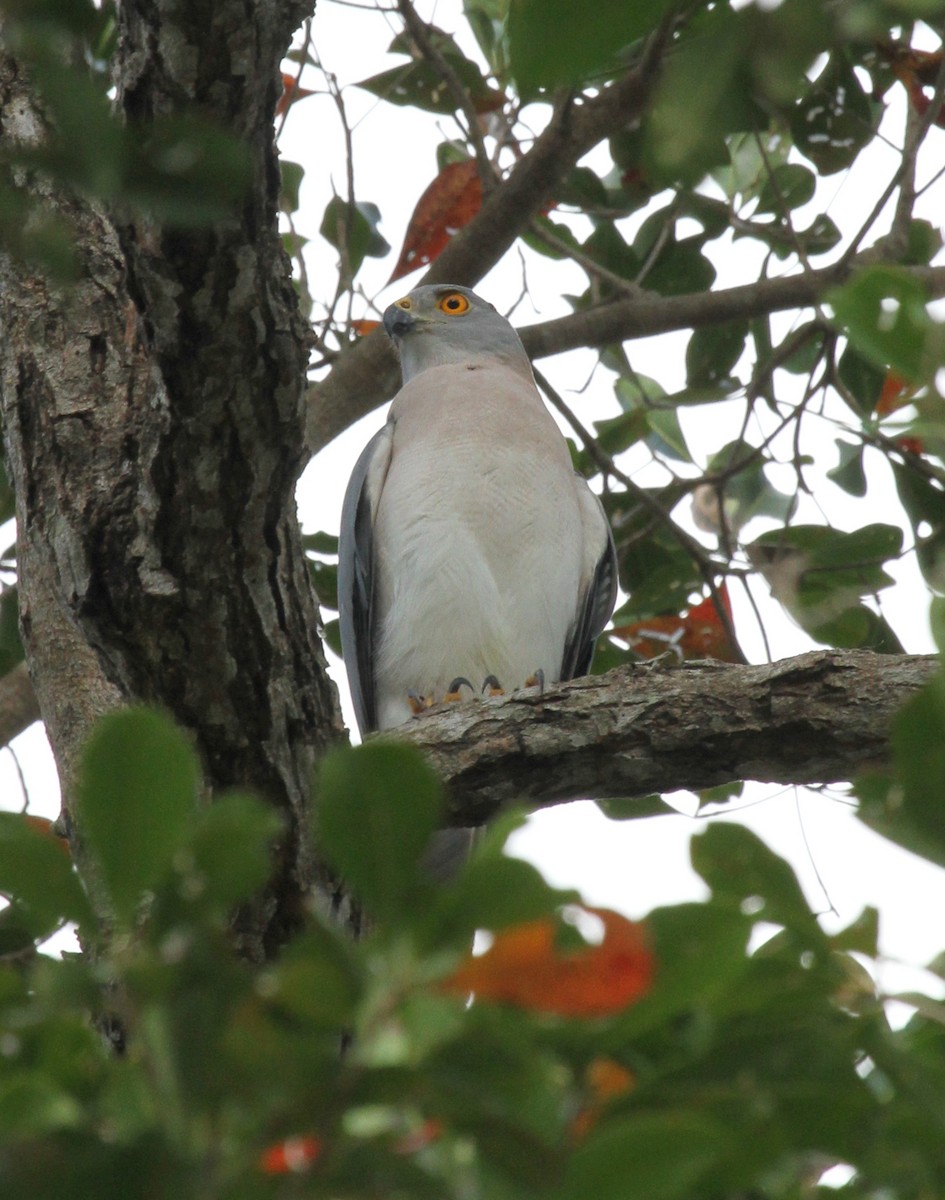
<point x="478" y="539"/>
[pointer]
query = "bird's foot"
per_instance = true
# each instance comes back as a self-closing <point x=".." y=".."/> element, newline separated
<point x="492" y="687"/>
<point x="452" y="695"/>
<point x="418" y="704"/>
<point x="537" y="680"/>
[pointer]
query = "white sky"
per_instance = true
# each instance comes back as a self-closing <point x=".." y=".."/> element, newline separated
<point x="634" y="865"/>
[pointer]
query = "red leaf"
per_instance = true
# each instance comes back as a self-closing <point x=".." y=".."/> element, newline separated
<point x="698" y="633"/>
<point x="895" y="394"/>
<point x="450" y="202"/>
<point x="364" y="325"/>
<point x="290" y="93"/>
<point x="524" y="967"/>
<point x="912" y="445"/>
<point x="295" y="1154"/>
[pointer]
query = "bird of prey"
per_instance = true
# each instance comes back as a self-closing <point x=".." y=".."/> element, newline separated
<point x="470" y="549"/>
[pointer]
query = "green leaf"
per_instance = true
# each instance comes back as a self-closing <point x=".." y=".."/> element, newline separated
<point x="377" y="806"/>
<point x="701" y="956"/>
<point x="848" y="473"/>
<point x="632" y="808"/>
<point x="317" y="979"/>
<point x="835" y="120"/>
<point x="492" y="892"/>
<point x="713" y="352"/>
<point x="417" y="84"/>
<point x="861" y="936"/>
<point x="789" y="186"/>
<point x="918" y="745"/>
<point x="11" y="647"/>
<point x="553" y="42"/>
<point x="862" y="381"/>
<point x="352" y="230"/>
<point x="739" y="867"/>
<point x="137" y="797"/>
<point x="648" y="1156"/>
<point x="320" y="543"/>
<point x="923" y="499"/>
<point x="35" y="871"/>
<point x="884" y="312"/>
<point x="230" y="851"/>
<point x="818" y="574"/>
<point x="291" y="174"/>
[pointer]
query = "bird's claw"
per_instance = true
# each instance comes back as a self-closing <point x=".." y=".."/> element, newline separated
<point x="452" y="695"/>
<point x="537" y="680"/>
<point x="418" y="704"/>
<point x="492" y="687"/>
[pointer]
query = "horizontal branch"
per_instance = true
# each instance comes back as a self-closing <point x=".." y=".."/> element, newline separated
<point x="644" y="314"/>
<point x="818" y="718"/>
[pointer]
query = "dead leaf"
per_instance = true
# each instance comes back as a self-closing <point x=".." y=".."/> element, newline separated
<point x="524" y="967"/>
<point x="450" y="202"/>
<point x="290" y="93"/>
<point x="697" y="633"/>
<point x="364" y="325"/>
<point x="896" y="393"/>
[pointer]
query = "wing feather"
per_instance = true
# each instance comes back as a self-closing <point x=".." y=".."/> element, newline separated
<point x="596" y="601"/>
<point x="356" y="573"/>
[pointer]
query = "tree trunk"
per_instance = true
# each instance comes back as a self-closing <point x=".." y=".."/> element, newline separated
<point x="153" y="416"/>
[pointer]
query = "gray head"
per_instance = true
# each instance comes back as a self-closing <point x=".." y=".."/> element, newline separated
<point x="443" y="323"/>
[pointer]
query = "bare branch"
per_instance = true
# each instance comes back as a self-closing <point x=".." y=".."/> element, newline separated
<point x="818" y="718"/>
<point x="651" y="314"/>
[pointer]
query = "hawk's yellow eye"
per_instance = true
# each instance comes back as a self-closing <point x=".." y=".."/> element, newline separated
<point x="454" y="303"/>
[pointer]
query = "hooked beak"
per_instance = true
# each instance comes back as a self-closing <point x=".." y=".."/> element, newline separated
<point x="397" y="321"/>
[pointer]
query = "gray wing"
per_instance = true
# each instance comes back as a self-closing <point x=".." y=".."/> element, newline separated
<point x="356" y="573"/>
<point x="596" y="603"/>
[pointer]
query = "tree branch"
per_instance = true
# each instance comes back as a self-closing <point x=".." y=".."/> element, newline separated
<point x="818" y="718"/>
<point x="367" y="374"/>
<point x="648" y="314"/>
<point x="642" y="315"/>
<point x="19" y="707"/>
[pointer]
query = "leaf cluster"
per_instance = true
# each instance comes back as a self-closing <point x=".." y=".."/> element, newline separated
<point x="758" y="1057"/>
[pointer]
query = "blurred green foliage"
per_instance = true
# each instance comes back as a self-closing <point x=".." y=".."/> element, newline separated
<point x="759" y="1058"/>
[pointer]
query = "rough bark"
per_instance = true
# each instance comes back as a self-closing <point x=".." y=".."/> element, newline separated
<point x="154" y="419"/>
<point x="817" y="718"/>
<point x="18" y="704"/>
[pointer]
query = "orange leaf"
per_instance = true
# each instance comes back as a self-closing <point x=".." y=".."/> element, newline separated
<point x="916" y="69"/>
<point x="895" y="394"/>
<point x="45" y="827"/>
<point x="698" y="633"/>
<point x="364" y="325"/>
<point x="524" y="967"/>
<point x="606" y="1080"/>
<point x="295" y="1154"/>
<point x="290" y="93"/>
<point x="450" y="202"/>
